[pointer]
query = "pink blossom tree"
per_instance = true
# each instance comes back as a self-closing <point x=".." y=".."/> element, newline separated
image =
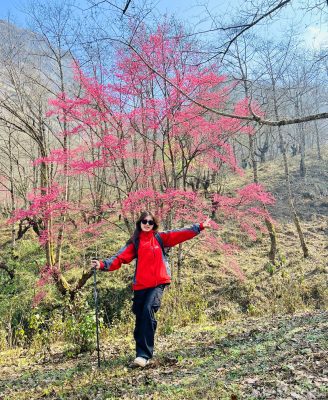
<point x="137" y="142"/>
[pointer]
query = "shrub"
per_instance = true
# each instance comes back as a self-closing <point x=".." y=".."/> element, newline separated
<point x="80" y="327"/>
<point x="181" y="306"/>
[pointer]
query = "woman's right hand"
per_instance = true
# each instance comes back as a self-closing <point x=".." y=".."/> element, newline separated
<point x="207" y="223"/>
<point x="95" y="264"/>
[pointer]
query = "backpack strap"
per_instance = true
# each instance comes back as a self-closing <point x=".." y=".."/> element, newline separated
<point x="160" y="241"/>
<point x="136" y="246"/>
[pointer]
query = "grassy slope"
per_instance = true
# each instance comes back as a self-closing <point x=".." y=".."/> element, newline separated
<point x="262" y="353"/>
<point x="295" y="283"/>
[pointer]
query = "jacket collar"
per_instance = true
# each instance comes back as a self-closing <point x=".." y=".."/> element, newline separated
<point x="146" y="235"/>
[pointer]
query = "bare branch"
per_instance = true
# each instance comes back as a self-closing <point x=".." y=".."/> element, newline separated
<point x="255" y="22"/>
<point x="126" y="6"/>
<point x="81" y="282"/>
<point x="253" y="118"/>
<point x="111" y="4"/>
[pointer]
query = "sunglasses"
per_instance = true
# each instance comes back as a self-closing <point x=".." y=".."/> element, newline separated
<point x="147" y="221"/>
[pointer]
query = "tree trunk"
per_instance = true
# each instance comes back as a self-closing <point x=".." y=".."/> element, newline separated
<point x="61" y="283"/>
<point x="273" y="240"/>
<point x="317" y="137"/>
<point x="290" y="196"/>
<point x="268" y="223"/>
<point x="12" y="191"/>
<point x="179" y="264"/>
<point x="301" y="139"/>
<point x="302" y="151"/>
<point x="253" y="159"/>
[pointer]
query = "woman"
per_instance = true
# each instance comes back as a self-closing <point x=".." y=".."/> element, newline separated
<point x="152" y="274"/>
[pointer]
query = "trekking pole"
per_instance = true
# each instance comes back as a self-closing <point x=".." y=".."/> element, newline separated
<point x="96" y="311"/>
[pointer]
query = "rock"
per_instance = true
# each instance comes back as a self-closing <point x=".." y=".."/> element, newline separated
<point x="310" y="396"/>
<point x="295" y="395"/>
<point x="308" y="195"/>
<point x="256" y="393"/>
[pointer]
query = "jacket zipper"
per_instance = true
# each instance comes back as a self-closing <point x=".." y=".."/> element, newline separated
<point x="154" y="258"/>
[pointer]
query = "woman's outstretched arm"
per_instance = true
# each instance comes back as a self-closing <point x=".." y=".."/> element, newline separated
<point x="176" y="236"/>
<point x="124" y="256"/>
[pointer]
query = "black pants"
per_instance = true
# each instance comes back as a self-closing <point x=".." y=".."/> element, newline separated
<point x="146" y="303"/>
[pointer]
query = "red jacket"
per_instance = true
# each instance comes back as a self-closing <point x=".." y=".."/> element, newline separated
<point x="152" y="268"/>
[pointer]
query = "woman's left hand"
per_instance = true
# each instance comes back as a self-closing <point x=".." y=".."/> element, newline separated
<point x="207" y="223"/>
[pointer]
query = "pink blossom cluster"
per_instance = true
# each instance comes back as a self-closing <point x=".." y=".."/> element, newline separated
<point x="45" y="202"/>
<point x="246" y="208"/>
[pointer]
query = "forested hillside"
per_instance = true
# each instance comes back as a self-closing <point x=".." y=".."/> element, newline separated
<point x="220" y="333"/>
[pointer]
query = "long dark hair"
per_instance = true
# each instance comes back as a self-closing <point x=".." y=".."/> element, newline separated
<point x="135" y="237"/>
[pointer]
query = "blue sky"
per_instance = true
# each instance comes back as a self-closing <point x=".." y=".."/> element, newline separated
<point x="315" y="31"/>
<point x="9" y="7"/>
<point x="178" y="7"/>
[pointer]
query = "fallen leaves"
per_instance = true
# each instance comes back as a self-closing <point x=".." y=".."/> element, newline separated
<point x="286" y="358"/>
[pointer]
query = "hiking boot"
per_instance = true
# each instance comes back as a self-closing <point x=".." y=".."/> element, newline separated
<point x="139" y="362"/>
